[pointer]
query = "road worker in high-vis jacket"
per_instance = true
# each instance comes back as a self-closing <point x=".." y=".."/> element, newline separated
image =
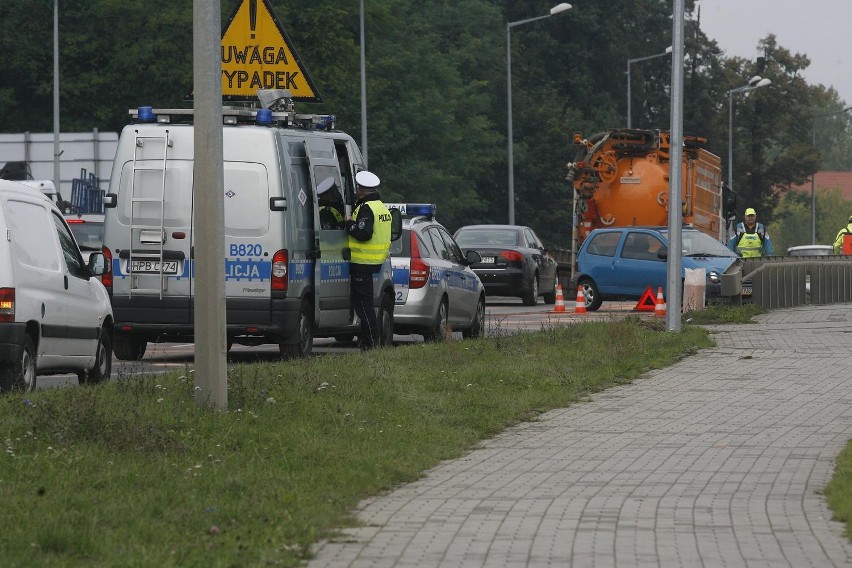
<point x="751" y="239"/>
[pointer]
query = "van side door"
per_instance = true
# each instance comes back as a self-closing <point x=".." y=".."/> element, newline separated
<point x="82" y="323"/>
<point x="331" y="269"/>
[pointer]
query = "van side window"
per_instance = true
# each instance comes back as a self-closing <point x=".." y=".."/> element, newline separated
<point x="301" y="181"/>
<point x="343" y="162"/>
<point x="73" y="260"/>
<point x="29" y="225"/>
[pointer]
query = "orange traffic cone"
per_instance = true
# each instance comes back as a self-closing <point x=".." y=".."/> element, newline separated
<point x="660" y="307"/>
<point x="559" y="307"/>
<point x="580" y="305"/>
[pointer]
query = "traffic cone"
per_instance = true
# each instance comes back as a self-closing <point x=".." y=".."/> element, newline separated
<point x="580" y="305"/>
<point x="559" y="307"/>
<point x="660" y="307"/>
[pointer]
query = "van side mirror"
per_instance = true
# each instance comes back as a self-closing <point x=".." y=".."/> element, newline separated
<point x="110" y="200"/>
<point x="396" y="224"/>
<point x="97" y="264"/>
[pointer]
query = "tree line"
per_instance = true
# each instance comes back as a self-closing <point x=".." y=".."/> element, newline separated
<point x="436" y="75"/>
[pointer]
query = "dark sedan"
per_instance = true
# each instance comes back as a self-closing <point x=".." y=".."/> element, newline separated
<point x="514" y="261"/>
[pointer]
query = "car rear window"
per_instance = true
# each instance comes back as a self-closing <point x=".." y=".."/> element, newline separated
<point x="604" y="244"/>
<point x="487" y="237"/>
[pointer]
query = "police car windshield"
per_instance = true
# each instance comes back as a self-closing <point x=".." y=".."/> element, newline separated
<point x="696" y="243"/>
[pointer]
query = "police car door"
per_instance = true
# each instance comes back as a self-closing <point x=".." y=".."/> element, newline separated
<point x="331" y="270"/>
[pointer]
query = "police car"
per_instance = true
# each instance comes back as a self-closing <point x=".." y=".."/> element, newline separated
<point x="435" y="288"/>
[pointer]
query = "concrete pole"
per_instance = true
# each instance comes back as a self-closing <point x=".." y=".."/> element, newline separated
<point x="509" y="133"/>
<point x="674" y="284"/>
<point x="211" y="346"/>
<point x="629" y="114"/>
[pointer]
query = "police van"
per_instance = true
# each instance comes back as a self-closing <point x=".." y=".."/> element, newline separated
<point x="286" y="274"/>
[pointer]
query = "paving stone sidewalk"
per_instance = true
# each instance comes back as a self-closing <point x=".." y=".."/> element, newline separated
<point x="719" y="460"/>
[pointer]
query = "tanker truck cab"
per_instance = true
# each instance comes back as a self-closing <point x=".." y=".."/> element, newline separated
<point x="286" y="273"/>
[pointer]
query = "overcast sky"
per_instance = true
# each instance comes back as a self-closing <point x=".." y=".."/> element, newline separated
<point x="819" y="29"/>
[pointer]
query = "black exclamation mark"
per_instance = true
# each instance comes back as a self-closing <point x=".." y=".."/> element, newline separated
<point x="252" y="16"/>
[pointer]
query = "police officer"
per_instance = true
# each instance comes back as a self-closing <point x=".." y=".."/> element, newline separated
<point x="838" y="240"/>
<point x="751" y="239"/>
<point x="330" y="205"/>
<point x="369" y="231"/>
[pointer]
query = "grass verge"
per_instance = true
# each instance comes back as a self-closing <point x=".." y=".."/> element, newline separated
<point x="132" y="473"/>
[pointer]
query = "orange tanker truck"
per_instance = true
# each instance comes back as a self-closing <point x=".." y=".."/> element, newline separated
<point x="621" y="178"/>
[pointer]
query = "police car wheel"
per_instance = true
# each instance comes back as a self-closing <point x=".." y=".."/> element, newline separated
<point x="439" y="324"/>
<point x="386" y="321"/>
<point x="477" y="327"/>
<point x="21" y="374"/>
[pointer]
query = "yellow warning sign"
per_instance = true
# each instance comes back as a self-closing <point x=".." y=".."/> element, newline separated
<point x="257" y="54"/>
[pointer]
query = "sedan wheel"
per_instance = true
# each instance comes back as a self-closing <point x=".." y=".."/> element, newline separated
<point x="439" y="324"/>
<point x="531" y="297"/>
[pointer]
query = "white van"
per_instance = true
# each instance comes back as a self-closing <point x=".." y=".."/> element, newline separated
<point x="55" y="316"/>
<point x="286" y="274"/>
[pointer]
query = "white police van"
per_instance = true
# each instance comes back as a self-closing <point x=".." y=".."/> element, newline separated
<point x="286" y="276"/>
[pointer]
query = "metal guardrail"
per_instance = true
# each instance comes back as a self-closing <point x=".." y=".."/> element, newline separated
<point x="789" y="281"/>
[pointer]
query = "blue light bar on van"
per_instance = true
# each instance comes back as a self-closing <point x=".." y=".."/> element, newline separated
<point x="264" y="117"/>
<point x="146" y="114"/>
<point x="325" y="122"/>
<point x="414" y="209"/>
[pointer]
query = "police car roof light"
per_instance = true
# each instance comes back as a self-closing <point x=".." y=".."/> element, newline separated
<point x="414" y="209"/>
<point x="146" y="114"/>
<point x="264" y="117"/>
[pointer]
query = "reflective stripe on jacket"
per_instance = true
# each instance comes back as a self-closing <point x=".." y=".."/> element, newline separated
<point x="375" y="250"/>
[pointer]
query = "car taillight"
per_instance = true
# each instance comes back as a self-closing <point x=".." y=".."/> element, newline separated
<point x="106" y="277"/>
<point x="512" y="256"/>
<point x="419" y="270"/>
<point x="280" y="273"/>
<point x="7" y="304"/>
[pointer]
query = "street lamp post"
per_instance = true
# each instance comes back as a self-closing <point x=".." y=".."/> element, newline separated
<point x="363" y="92"/>
<point x="553" y="11"/>
<point x="813" y="176"/>
<point x="637" y="60"/>
<point x="755" y="82"/>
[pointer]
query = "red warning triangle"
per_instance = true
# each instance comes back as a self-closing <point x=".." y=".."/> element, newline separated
<point x="648" y="301"/>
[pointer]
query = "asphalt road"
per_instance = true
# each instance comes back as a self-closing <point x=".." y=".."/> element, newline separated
<point x="503" y="315"/>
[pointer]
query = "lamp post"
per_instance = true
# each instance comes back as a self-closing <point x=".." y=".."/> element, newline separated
<point x="363" y="92"/>
<point x="813" y="176"/>
<point x="553" y="11"/>
<point x="637" y="60"/>
<point x="755" y="82"/>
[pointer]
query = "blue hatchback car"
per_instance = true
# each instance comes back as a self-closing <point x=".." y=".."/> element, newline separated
<point x="621" y="263"/>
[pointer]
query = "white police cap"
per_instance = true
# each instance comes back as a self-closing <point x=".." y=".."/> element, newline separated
<point x="367" y="179"/>
<point x="325" y="185"/>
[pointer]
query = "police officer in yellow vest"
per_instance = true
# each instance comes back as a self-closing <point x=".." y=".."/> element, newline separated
<point x="751" y="239"/>
<point x="369" y="231"/>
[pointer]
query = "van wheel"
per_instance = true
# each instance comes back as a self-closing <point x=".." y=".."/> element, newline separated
<point x="477" y="327"/>
<point x="128" y="347"/>
<point x="386" y="321"/>
<point x="103" y="362"/>
<point x="21" y="374"/>
<point x="439" y="325"/>
<point x="531" y="298"/>
<point x="305" y="346"/>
